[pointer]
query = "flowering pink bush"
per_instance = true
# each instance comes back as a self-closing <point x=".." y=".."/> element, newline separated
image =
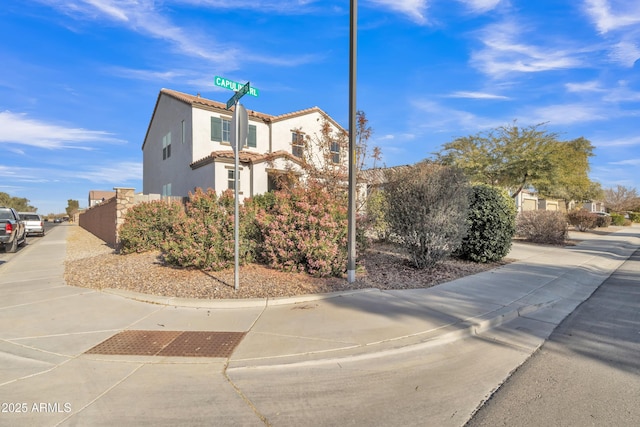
<point x="204" y="236"/>
<point x="304" y="231"/>
<point x="147" y="225"/>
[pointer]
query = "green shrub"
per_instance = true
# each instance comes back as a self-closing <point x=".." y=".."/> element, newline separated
<point x="305" y="231"/>
<point x="634" y="216"/>
<point x="582" y="219"/>
<point x="548" y="227"/>
<point x="490" y="225"/>
<point x="204" y="236"/>
<point x="374" y="222"/>
<point x="617" y="219"/>
<point x="147" y="225"/>
<point x="427" y="210"/>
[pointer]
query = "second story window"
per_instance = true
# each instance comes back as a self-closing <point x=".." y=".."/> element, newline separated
<point x="335" y="152"/>
<point x="166" y="146"/>
<point x="220" y="129"/>
<point x="231" y="180"/>
<point x="297" y="144"/>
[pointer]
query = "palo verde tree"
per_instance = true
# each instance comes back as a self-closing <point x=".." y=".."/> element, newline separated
<point x="515" y="158"/>
<point x="569" y="174"/>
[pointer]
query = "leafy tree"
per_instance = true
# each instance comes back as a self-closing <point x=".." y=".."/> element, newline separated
<point x="18" y="203"/>
<point x="516" y="158"/>
<point x="621" y="198"/>
<point x="72" y="207"/>
<point x="569" y="179"/>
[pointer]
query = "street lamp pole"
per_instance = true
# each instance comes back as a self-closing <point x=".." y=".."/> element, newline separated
<point x="351" y="236"/>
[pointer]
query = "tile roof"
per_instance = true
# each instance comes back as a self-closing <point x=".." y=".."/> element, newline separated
<point x="197" y="100"/>
<point x="246" y="157"/>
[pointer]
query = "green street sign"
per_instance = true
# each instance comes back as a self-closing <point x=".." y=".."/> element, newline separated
<point x="235" y="86"/>
<point x="239" y="94"/>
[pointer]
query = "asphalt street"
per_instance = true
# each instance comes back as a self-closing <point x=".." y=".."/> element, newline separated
<point x="588" y="372"/>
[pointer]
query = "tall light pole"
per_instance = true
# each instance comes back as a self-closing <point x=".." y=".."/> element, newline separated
<point x="351" y="236"/>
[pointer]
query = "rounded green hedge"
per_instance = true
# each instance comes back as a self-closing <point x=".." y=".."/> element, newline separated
<point x="491" y="225"/>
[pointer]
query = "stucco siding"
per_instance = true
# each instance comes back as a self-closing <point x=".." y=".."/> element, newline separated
<point x="168" y="118"/>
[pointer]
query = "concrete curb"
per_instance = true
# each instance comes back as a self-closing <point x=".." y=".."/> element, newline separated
<point x="231" y="303"/>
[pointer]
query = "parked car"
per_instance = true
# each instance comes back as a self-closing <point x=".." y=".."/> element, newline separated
<point x="33" y="223"/>
<point x="12" y="230"/>
<point x="57" y="221"/>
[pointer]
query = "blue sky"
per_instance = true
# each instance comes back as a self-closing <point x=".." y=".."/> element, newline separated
<point x="79" y="79"/>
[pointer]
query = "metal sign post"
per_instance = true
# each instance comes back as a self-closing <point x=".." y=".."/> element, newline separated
<point x="239" y="131"/>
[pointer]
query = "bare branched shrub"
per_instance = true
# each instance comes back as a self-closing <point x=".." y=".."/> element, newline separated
<point x="582" y="219"/>
<point x="427" y="210"/>
<point x="542" y="227"/>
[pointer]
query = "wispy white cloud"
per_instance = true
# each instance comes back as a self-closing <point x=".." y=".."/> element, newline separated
<point x="610" y="15"/>
<point x="476" y="95"/>
<point x="625" y="53"/>
<point x="148" y="18"/>
<point x="148" y="75"/>
<point x="627" y="162"/>
<point x="116" y="173"/>
<point x="295" y="7"/>
<point x="443" y="119"/>
<point x="620" y="92"/>
<point x="504" y="53"/>
<point x="591" y="86"/>
<point x="566" y="114"/>
<point x="17" y="128"/>
<point x="480" y="6"/>
<point x="618" y="142"/>
<point x="413" y="9"/>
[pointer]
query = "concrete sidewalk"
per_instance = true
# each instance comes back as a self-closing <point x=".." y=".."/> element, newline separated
<point x="47" y="327"/>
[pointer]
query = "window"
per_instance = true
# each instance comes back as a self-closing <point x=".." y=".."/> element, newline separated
<point x="226" y="130"/>
<point x="252" y="137"/>
<point x="166" y="190"/>
<point x="297" y="144"/>
<point x="335" y="152"/>
<point x="166" y="146"/>
<point x="231" y="185"/>
<point x="220" y="129"/>
<point x="184" y="135"/>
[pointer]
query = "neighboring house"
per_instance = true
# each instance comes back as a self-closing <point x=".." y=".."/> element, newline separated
<point x="549" y="205"/>
<point x="97" y="196"/>
<point x="594" y="206"/>
<point x="187" y="145"/>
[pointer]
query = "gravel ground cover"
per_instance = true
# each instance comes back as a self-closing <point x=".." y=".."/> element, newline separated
<point x="90" y="263"/>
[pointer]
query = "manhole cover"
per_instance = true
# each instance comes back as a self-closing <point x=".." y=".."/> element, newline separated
<point x="170" y="343"/>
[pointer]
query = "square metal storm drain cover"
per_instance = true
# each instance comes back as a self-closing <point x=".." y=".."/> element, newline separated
<point x="170" y="343"/>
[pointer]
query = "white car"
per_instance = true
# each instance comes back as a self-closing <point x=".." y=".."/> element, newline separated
<point x="33" y="223"/>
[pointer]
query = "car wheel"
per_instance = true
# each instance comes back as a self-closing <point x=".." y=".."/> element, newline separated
<point x="24" y="240"/>
<point x="13" y="247"/>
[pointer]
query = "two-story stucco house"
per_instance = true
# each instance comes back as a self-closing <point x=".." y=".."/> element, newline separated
<point x="187" y="146"/>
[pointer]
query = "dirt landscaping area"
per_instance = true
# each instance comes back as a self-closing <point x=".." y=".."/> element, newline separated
<point x="90" y="263"/>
